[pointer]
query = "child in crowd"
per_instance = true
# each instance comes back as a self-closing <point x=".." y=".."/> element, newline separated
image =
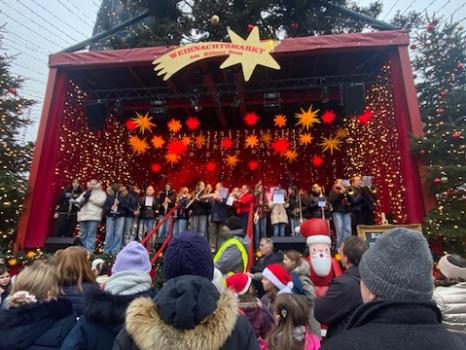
<point x="275" y="280"/>
<point x="34" y="317"/>
<point x="75" y="276"/>
<point x="5" y="284"/>
<point x="292" y="330"/>
<point x="250" y="306"/>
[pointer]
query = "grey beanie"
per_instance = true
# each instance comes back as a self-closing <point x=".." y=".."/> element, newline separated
<point x="398" y="267"/>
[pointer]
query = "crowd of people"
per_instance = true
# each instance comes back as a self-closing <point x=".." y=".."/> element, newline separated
<point x="129" y="213"/>
<point x="385" y="299"/>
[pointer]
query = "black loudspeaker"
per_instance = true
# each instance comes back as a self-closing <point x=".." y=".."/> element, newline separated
<point x="288" y="243"/>
<point x="354" y="98"/>
<point x="52" y="244"/>
<point x="96" y="112"/>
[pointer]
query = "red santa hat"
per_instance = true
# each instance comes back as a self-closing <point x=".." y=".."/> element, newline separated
<point x="279" y="277"/>
<point x="239" y="282"/>
<point x="316" y="231"/>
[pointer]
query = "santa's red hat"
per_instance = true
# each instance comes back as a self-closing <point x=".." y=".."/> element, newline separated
<point x="239" y="282"/>
<point x="279" y="277"/>
<point x="316" y="231"/>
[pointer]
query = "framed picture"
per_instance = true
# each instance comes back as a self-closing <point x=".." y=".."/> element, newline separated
<point x="370" y="233"/>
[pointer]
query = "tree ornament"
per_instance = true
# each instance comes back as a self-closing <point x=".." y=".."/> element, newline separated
<point x="413" y="46"/>
<point x="456" y="134"/>
<point x="215" y="20"/>
<point x="328" y="117"/>
<point x="251" y="27"/>
<point x="192" y="123"/>
<point x="317" y="161"/>
<point x="422" y="152"/>
<point x="280" y="146"/>
<point x="13" y="91"/>
<point x="430" y="27"/>
<point x="436" y="180"/>
<point x="211" y="167"/>
<point x="227" y="143"/>
<point x="253" y="165"/>
<point x="443" y="93"/>
<point x="251" y="118"/>
<point x="130" y="125"/>
<point x="460" y="66"/>
<point x="143" y="122"/>
<point x="279" y="120"/>
<point x="294" y="25"/>
<point x="444" y="179"/>
<point x="440" y="110"/>
<point x="155" y="168"/>
<point x="174" y="125"/>
<point x="157" y="141"/>
<point x="306" y="119"/>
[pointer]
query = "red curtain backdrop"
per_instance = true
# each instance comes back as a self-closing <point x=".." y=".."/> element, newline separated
<point x="368" y="149"/>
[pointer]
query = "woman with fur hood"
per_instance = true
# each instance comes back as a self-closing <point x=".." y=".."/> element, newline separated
<point x="188" y="312"/>
<point x="297" y="265"/>
<point x="104" y="310"/>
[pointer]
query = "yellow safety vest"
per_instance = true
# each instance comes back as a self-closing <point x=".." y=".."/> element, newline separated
<point x="239" y="245"/>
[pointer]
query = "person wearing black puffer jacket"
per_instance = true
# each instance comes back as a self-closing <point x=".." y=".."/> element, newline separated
<point x="188" y="312"/>
<point x="34" y="319"/>
<point x="104" y="310"/>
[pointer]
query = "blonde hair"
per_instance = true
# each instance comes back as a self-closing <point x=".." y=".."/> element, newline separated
<point x="73" y="268"/>
<point x="39" y="280"/>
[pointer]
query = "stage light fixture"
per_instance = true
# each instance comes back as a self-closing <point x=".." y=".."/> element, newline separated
<point x="272" y="101"/>
<point x="158" y="106"/>
<point x="236" y="101"/>
<point x="195" y="103"/>
<point x="324" y="95"/>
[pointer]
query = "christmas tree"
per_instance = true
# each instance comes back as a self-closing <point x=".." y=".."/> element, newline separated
<point x="439" y="59"/>
<point x="15" y="155"/>
<point x="175" y="22"/>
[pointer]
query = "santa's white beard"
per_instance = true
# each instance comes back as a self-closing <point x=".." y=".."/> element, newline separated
<point x="321" y="264"/>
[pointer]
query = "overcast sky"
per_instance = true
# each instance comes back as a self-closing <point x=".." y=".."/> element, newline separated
<point x="36" y="28"/>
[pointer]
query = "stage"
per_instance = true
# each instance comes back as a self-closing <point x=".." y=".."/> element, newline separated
<point x="211" y="125"/>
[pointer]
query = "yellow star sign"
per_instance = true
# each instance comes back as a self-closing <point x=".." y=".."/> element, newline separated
<point x="307" y="119"/>
<point x="250" y="53"/>
<point x="143" y="122"/>
<point x="138" y="145"/>
<point x="231" y="160"/>
<point x="251" y="141"/>
<point x="341" y="133"/>
<point x="331" y="144"/>
<point x="291" y="155"/>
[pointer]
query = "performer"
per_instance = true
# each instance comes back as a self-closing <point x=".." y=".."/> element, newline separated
<point x="132" y="214"/>
<point x="66" y="212"/>
<point x="90" y="213"/>
<point x="341" y="211"/>
<point x="218" y="216"/>
<point x="182" y="214"/>
<point x="260" y="214"/>
<point x="149" y="211"/>
<point x="165" y="201"/>
<point x="243" y="204"/>
<point x="293" y="208"/>
<point x="311" y="208"/>
<point x="200" y="210"/>
<point x="323" y="267"/>
<point x="362" y="203"/>
<point x="115" y="208"/>
<point x="278" y="217"/>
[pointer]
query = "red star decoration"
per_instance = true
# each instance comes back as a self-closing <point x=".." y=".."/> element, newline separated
<point x="155" y="167"/>
<point x="328" y="117"/>
<point x="251" y="118"/>
<point x="211" y="166"/>
<point x="227" y="143"/>
<point x="317" y="161"/>
<point x="366" y="117"/>
<point x="192" y="123"/>
<point x="130" y="125"/>
<point x="280" y="146"/>
<point x="176" y="147"/>
<point x="253" y="165"/>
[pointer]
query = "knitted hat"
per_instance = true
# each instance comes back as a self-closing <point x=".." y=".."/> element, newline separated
<point x="316" y="231"/>
<point x="233" y="222"/>
<point x="398" y="267"/>
<point x="188" y="254"/>
<point x="132" y="257"/>
<point x="239" y="282"/>
<point x="451" y="270"/>
<point x="279" y="277"/>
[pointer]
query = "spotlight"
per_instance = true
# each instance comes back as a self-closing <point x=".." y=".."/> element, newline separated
<point x="195" y="103"/>
<point x="272" y="101"/>
<point x="158" y="106"/>
<point x="324" y="95"/>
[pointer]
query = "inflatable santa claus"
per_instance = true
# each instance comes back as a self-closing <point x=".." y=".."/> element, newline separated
<point x="324" y="268"/>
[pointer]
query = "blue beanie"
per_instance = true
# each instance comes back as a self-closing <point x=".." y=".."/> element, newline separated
<point x="188" y="254"/>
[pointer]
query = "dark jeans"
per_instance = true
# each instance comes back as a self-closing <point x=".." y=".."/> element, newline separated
<point x="65" y="225"/>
